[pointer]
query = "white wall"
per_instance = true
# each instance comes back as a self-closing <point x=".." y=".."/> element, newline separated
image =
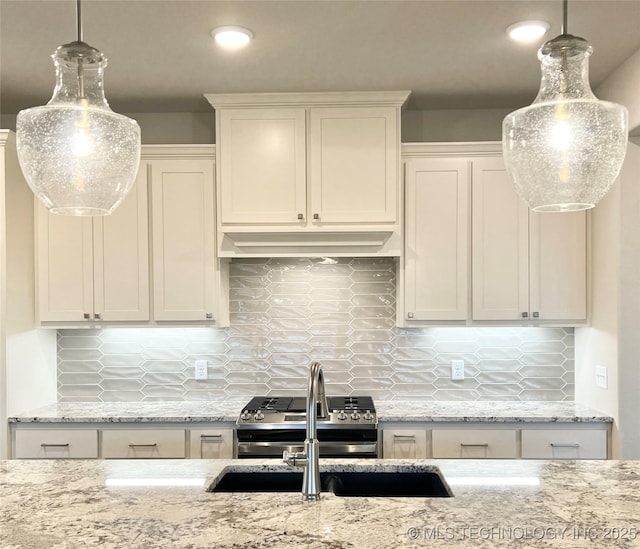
<point x="453" y="125"/>
<point x="623" y="86"/>
<point x="613" y="339"/>
<point x="27" y="355"/>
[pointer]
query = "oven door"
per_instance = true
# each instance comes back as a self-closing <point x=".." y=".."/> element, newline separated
<point x="265" y="443"/>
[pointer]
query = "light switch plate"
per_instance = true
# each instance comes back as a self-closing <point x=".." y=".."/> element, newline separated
<point x="201" y="369"/>
<point x="457" y="370"/>
<point x="602" y="377"/>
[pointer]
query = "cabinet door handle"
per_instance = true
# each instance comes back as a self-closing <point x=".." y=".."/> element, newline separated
<point x="132" y="445"/>
<point x="564" y="445"/>
<point x="405" y="437"/>
<point x="86" y="316"/>
<point x="300" y="216"/>
<point x="525" y="315"/>
<point x="471" y="445"/>
<point x="50" y="445"/>
<point x="316" y="216"/>
<point x="536" y="314"/>
<point x="209" y="315"/>
<point x="96" y="316"/>
<point x="409" y="315"/>
<point x="217" y="437"/>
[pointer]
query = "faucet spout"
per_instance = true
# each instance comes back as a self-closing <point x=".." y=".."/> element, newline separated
<point x="310" y="459"/>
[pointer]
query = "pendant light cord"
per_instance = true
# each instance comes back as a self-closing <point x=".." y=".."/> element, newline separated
<point x="79" y="20"/>
<point x="80" y="60"/>
<point x="565" y="16"/>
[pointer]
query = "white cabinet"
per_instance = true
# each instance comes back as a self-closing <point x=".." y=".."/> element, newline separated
<point x="188" y="283"/>
<point x="55" y="443"/>
<point x="94" y="269"/>
<point x="143" y="443"/>
<point x="404" y="443"/>
<point x="211" y="443"/>
<point x="564" y="444"/>
<point x="300" y="171"/>
<point x="354" y="162"/>
<point x="474" y="443"/>
<point x="525" y="265"/>
<point x="262" y="166"/>
<point x="436" y="239"/>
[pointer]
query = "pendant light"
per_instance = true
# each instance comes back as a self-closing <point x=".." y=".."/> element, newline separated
<point x="565" y="150"/>
<point x="77" y="155"/>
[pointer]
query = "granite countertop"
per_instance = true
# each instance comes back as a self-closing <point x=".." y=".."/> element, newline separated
<point x="497" y="503"/>
<point x="388" y="411"/>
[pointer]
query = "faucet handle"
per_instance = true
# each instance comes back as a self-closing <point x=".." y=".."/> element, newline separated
<point x="294" y="458"/>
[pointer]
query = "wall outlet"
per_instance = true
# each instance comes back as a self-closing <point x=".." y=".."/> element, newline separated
<point x="602" y="377"/>
<point x="457" y="369"/>
<point x="201" y="369"/>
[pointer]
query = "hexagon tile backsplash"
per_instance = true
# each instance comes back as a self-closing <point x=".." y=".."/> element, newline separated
<point x="286" y="313"/>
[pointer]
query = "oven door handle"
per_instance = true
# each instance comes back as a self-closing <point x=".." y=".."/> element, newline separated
<point x="343" y="448"/>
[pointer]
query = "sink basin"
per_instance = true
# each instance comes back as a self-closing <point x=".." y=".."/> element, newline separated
<point x="341" y="483"/>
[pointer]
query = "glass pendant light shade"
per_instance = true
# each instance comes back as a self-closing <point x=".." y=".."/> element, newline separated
<point x="565" y="150"/>
<point x="77" y="155"/>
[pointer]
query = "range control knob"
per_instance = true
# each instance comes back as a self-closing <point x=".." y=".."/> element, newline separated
<point x="246" y="416"/>
<point x="259" y="416"/>
<point x="368" y="416"/>
<point x="342" y="416"/>
<point x="355" y="416"/>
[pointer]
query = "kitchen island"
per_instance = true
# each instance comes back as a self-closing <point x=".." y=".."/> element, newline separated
<point x="164" y="503"/>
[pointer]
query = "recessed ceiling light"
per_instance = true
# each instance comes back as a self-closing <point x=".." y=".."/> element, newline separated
<point x="232" y="37"/>
<point x="527" y="31"/>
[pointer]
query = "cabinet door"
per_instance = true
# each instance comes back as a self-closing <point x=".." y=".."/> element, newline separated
<point x="404" y="444"/>
<point x="143" y="443"/>
<point x="558" y="263"/>
<point x="65" y="266"/>
<point x="354" y="165"/>
<point x="500" y="257"/>
<point x="262" y="159"/>
<point x="183" y="239"/>
<point x="437" y="239"/>
<point x="121" y="258"/>
<point x="55" y="443"/>
<point x="211" y="443"/>
<point x="474" y="443"/>
<point x="564" y="443"/>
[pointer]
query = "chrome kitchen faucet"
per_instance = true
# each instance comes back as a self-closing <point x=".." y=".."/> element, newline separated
<point x="310" y="458"/>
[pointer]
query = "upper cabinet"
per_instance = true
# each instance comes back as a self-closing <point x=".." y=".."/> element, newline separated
<point x="151" y="261"/>
<point x="526" y="265"/>
<point x="302" y="174"/>
<point x="94" y="269"/>
<point x="437" y="239"/>
<point x="475" y="254"/>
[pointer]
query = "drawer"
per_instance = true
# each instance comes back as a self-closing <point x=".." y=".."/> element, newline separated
<point x="474" y="443"/>
<point x="55" y="443"/>
<point x="211" y="443"/>
<point x="143" y="443"/>
<point x="564" y="444"/>
<point x="404" y="444"/>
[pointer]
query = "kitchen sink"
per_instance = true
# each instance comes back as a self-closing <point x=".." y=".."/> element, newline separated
<point x="341" y="483"/>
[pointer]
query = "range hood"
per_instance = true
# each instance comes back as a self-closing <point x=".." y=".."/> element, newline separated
<point x="308" y="174"/>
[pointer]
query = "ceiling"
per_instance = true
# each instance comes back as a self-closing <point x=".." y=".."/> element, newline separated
<point x="452" y="54"/>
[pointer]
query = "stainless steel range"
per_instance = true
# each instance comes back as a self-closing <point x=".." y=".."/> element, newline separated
<point x="269" y="425"/>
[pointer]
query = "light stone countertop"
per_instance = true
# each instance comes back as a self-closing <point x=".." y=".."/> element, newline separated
<point x="64" y="504"/>
<point x="388" y="411"/>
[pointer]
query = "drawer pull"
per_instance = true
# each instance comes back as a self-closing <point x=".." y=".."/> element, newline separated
<point x="477" y="445"/>
<point x="564" y="445"/>
<point x="216" y="437"/>
<point x="154" y="445"/>
<point x="48" y="445"/>
<point x="405" y="437"/>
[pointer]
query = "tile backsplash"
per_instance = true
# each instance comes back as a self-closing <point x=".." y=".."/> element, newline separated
<point x="286" y="313"/>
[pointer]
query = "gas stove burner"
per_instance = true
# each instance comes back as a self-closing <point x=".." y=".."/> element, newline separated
<point x="351" y="403"/>
<point x="271" y="404"/>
